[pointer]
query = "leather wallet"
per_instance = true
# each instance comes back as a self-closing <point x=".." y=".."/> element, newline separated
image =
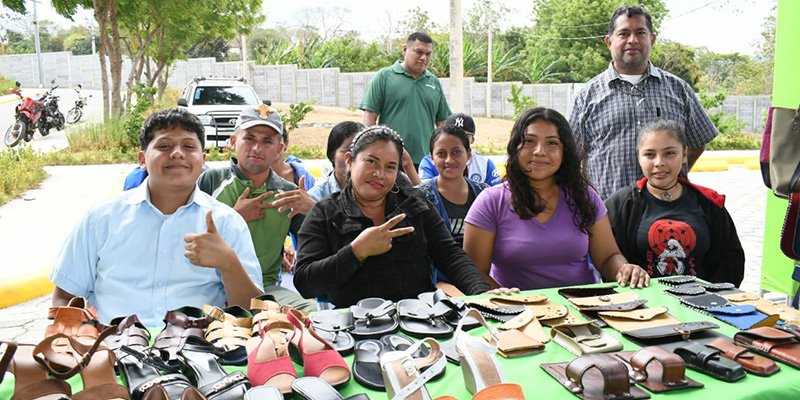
<point x="631" y="305"/>
<point x="596" y="376"/>
<point x="771" y="342"/>
<point x="526" y="323"/>
<point x="571" y="292"/>
<point x="752" y="363"/>
<point x="704" y="301"/>
<point x="584" y="338"/>
<point x="785" y="313"/>
<point x="686" y="290"/>
<point x="743" y="316"/>
<point x="683" y="329"/>
<point x="708" y="360"/>
<point x="626" y="321"/>
<point x="657" y="369"/>
<point x="677" y="280"/>
<point x="604" y="300"/>
<point x="715" y="287"/>
<point x="513" y="343"/>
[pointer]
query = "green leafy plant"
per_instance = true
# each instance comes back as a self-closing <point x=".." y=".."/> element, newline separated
<point x="730" y="128"/>
<point x="5" y="85"/>
<point x="521" y="102"/>
<point x="297" y="112"/>
<point x="22" y="169"/>
<point x="134" y="119"/>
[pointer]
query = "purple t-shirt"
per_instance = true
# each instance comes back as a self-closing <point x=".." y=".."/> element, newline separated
<point x="529" y="254"/>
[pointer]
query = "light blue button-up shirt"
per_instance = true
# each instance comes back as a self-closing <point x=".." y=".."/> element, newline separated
<point x="326" y="188"/>
<point x="126" y="257"/>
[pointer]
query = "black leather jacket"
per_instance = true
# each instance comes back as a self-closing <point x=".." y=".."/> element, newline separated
<point x="326" y="265"/>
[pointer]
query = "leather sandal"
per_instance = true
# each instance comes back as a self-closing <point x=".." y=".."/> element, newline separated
<point x="313" y="388"/>
<point x="199" y="360"/>
<point x="708" y="360"/>
<point x="127" y="331"/>
<point x="597" y="376"/>
<point x="457" y="308"/>
<point x="30" y="379"/>
<point x="367" y="364"/>
<point x="418" y="319"/>
<point x="477" y="357"/>
<point x="335" y="327"/>
<point x="180" y="324"/>
<point x="268" y="361"/>
<point x="657" y="369"/>
<point x="401" y="373"/>
<point x="230" y="332"/>
<point x="142" y="373"/>
<point x="99" y="378"/>
<point x="263" y="393"/>
<point x="751" y="362"/>
<point x="373" y="317"/>
<point x="265" y="309"/>
<point x="317" y="356"/>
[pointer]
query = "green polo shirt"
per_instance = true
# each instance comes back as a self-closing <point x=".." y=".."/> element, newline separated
<point x="269" y="233"/>
<point x="409" y="106"/>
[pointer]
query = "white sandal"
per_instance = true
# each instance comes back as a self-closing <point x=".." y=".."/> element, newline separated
<point x="401" y="371"/>
<point x="478" y="358"/>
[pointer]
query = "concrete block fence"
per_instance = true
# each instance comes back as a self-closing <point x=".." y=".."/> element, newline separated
<point x="326" y="86"/>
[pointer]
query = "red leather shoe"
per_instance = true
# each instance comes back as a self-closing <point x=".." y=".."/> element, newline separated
<point x="317" y="356"/>
<point x="268" y="361"/>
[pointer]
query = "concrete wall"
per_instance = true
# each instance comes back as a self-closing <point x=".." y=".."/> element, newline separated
<point x="327" y="86"/>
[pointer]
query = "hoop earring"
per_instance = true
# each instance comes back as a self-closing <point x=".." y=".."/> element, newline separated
<point x="395" y="189"/>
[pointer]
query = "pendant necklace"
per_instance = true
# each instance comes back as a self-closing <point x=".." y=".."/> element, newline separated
<point x="666" y="195"/>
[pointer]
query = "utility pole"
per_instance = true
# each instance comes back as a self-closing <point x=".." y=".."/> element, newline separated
<point x="456" y="57"/>
<point x="36" y="44"/>
<point x="490" y="20"/>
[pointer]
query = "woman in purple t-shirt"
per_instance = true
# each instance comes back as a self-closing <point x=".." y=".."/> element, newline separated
<point x="538" y="228"/>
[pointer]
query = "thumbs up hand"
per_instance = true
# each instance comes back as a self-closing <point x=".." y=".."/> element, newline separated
<point x="208" y="249"/>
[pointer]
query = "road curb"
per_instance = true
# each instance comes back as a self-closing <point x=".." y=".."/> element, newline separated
<point x="19" y="290"/>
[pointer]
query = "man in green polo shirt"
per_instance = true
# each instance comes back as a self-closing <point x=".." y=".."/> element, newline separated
<point x="249" y="185"/>
<point x="408" y="98"/>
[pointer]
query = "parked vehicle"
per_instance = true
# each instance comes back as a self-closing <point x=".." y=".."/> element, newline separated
<point x="76" y="112"/>
<point x="30" y="114"/>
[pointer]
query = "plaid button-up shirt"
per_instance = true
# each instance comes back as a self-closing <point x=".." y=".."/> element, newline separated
<point x="607" y="114"/>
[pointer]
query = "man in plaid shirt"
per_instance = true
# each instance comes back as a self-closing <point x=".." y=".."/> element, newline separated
<point x="608" y="112"/>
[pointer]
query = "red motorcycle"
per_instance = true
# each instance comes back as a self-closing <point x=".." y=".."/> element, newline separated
<point x="31" y="114"/>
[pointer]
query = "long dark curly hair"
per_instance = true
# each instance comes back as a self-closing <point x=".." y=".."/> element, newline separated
<point x="525" y="201"/>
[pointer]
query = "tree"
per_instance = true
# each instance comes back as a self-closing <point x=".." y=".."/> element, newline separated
<point x="678" y="59"/>
<point x="78" y="40"/>
<point x="572" y="31"/>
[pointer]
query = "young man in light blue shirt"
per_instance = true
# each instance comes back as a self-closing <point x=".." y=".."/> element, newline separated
<point x="164" y="244"/>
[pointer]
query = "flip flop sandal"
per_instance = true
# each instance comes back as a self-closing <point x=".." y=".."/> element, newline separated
<point x="142" y="372"/>
<point x="263" y="393"/>
<point x="313" y="388"/>
<point x="199" y="359"/>
<point x="367" y="364"/>
<point x="268" y="361"/>
<point x="230" y="332"/>
<point x="373" y="318"/>
<point x="334" y="326"/>
<point x="127" y="331"/>
<point x="30" y="379"/>
<point x="418" y="319"/>
<point x="180" y="324"/>
<point x="457" y="308"/>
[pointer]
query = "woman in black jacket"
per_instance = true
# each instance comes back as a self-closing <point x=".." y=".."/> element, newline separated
<point x="669" y="225"/>
<point x="375" y="239"/>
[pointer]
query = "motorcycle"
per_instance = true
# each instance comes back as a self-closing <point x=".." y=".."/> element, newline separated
<point x="30" y="114"/>
<point x="75" y="113"/>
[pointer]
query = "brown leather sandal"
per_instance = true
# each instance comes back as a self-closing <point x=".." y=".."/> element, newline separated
<point x="230" y="332"/>
<point x="30" y="379"/>
<point x="181" y="323"/>
<point x="127" y="331"/>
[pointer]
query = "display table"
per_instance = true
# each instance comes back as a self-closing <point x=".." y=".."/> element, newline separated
<point x="538" y="385"/>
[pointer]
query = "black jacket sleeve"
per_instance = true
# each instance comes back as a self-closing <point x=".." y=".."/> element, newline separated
<point x="730" y="262"/>
<point x="319" y="266"/>
<point x="451" y="259"/>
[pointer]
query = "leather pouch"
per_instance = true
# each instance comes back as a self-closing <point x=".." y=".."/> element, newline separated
<point x="677" y="280"/>
<point x="571" y="292"/>
<point x="626" y="321"/>
<point x="595" y="377"/>
<point x="743" y="316"/>
<point x="527" y="323"/>
<point x="752" y="363"/>
<point x="604" y="300"/>
<point x="771" y="342"/>
<point x="686" y="290"/>
<point x="513" y="343"/>
<point x="708" y="360"/>
<point x="657" y="369"/>
<point x="788" y="314"/>
<point x="716" y="287"/>
<point x="704" y="301"/>
<point x="584" y="338"/>
<point x="683" y="329"/>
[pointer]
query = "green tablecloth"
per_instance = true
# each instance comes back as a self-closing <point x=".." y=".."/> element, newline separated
<point x="538" y="385"/>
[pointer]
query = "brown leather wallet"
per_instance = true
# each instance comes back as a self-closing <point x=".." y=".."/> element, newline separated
<point x="626" y="321"/>
<point x="527" y="323"/>
<point x="597" y="376"/>
<point x="513" y="343"/>
<point x="657" y="369"/>
<point x="752" y="363"/>
<point x="771" y="342"/>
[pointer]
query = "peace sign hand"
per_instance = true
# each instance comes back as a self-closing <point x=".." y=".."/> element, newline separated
<point x="378" y="239"/>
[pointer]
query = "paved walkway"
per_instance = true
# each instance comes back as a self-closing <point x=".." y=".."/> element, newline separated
<point x="34" y="228"/>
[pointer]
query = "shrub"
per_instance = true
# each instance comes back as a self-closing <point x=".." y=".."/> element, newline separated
<point x="520" y="101"/>
<point x="730" y="128"/>
<point x="735" y="141"/>
<point x="20" y="169"/>
<point x="297" y="112"/>
<point x="5" y="85"/>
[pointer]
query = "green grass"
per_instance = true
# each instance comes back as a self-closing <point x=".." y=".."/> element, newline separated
<point x="5" y="85"/>
<point x="20" y="169"/>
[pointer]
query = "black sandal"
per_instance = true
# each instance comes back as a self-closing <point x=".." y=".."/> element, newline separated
<point x="374" y="317"/>
<point x="143" y="377"/>
<point x="199" y="358"/>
